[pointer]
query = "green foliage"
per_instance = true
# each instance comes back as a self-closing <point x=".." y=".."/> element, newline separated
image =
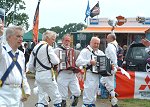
<point x="13" y="16"/>
<point x="68" y="28"/>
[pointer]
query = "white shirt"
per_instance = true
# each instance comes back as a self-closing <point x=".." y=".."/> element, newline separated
<point x="85" y="57"/>
<point x="42" y="56"/>
<point x="14" y="76"/>
<point x="111" y="53"/>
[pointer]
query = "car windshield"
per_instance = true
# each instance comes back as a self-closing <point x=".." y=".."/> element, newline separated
<point x="138" y="53"/>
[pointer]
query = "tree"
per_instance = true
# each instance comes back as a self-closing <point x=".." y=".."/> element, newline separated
<point x="68" y="28"/>
<point x="13" y="16"/>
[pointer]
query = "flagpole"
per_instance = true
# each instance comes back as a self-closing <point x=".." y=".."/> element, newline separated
<point x="87" y="21"/>
<point x="87" y="13"/>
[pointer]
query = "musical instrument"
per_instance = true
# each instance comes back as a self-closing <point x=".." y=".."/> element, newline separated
<point x="68" y="58"/>
<point x="103" y="65"/>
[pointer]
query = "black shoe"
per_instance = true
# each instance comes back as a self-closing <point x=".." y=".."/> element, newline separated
<point x="63" y="104"/>
<point x="116" y="95"/>
<point x="114" y="105"/>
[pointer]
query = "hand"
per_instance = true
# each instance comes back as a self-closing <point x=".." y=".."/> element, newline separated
<point x="145" y="42"/>
<point x="93" y="62"/>
<point x="114" y="70"/>
<point x="25" y="97"/>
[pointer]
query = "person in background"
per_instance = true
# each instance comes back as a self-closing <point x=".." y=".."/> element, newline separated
<point x="21" y="48"/>
<point x="41" y="61"/>
<point x="26" y="53"/>
<point x="109" y="81"/>
<point x="124" y="50"/>
<point x="14" y="88"/>
<point x="147" y="49"/>
<point x="146" y="42"/>
<point x="91" y="82"/>
<point x="119" y="55"/>
<point x="67" y="78"/>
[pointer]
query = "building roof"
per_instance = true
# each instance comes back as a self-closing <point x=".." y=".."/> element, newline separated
<point x="119" y="29"/>
<point x="29" y="36"/>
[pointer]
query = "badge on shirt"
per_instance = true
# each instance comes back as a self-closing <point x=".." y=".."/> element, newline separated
<point x="14" y="59"/>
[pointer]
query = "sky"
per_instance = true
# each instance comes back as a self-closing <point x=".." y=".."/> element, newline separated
<point x="60" y="12"/>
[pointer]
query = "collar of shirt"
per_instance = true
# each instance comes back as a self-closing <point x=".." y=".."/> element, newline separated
<point x="89" y="48"/>
<point x="8" y="49"/>
<point x="43" y="42"/>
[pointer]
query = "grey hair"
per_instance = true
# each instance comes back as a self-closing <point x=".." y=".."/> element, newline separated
<point x="66" y="35"/>
<point x="113" y="36"/>
<point x="49" y="34"/>
<point x="10" y="31"/>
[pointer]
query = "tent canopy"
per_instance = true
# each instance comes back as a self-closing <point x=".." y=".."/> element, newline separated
<point x="116" y="30"/>
<point x="29" y="36"/>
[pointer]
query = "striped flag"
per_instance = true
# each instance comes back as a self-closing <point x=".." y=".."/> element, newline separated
<point x="36" y="24"/>
<point x="95" y="10"/>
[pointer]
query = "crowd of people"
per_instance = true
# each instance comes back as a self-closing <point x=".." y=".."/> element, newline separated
<point x="55" y="69"/>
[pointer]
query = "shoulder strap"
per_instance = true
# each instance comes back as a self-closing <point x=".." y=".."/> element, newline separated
<point x="62" y="47"/>
<point x="115" y="47"/>
<point x="35" y="54"/>
<point x="91" y="51"/>
<point x="36" y="59"/>
<point x="48" y="55"/>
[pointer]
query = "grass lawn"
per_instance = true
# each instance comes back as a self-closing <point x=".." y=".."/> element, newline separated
<point x="134" y="103"/>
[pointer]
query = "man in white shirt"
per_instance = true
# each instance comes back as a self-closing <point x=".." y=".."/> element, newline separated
<point x="67" y="78"/>
<point x="12" y="69"/>
<point x="109" y="81"/>
<point x="91" y="82"/>
<point x="41" y="61"/>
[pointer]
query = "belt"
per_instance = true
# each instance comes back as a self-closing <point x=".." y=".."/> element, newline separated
<point x="12" y="85"/>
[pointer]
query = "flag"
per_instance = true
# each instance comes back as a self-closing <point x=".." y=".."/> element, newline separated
<point x="87" y="13"/>
<point x="36" y="24"/>
<point x="136" y="87"/>
<point x="95" y="10"/>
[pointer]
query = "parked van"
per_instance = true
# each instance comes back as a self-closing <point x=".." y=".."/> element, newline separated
<point x="135" y="59"/>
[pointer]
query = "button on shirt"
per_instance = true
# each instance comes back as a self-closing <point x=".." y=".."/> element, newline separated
<point x="14" y="76"/>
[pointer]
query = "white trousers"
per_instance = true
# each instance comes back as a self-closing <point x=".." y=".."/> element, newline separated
<point x="108" y="82"/>
<point x="91" y="85"/>
<point x="47" y="84"/>
<point x="42" y="98"/>
<point x="65" y="80"/>
<point x="10" y="96"/>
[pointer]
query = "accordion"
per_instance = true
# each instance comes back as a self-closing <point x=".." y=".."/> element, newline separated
<point x="103" y="65"/>
<point x="68" y="58"/>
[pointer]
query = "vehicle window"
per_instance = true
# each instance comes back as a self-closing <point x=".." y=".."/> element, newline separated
<point x="138" y="53"/>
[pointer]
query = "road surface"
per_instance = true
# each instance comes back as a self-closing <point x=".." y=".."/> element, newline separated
<point x="33" y="99"/>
